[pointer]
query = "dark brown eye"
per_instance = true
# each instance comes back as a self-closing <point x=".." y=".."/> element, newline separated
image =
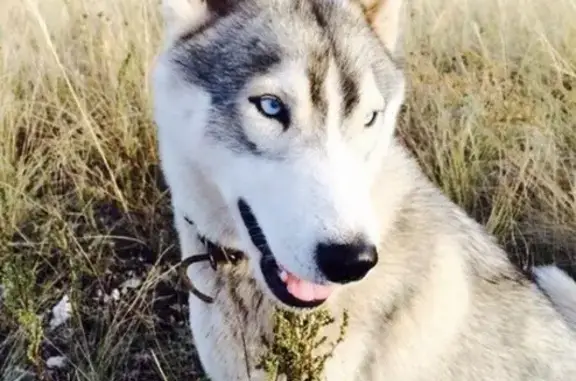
<point x="371" y="118"/>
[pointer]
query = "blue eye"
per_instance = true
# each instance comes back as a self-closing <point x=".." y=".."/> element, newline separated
<point x="272" y="107"/>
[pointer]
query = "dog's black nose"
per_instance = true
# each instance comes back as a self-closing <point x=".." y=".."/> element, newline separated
<point x="346" y="262"/>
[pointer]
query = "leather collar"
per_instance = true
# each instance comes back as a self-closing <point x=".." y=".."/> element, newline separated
<point x="215" y="254"/>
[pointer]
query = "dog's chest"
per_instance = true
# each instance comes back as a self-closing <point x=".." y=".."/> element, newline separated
<point x="348" y="360"/>
<point x="228" y="332"/>
<point x="235" y="334"/>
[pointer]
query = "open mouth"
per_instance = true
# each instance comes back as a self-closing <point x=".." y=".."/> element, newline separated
<point x="288" y="288"/>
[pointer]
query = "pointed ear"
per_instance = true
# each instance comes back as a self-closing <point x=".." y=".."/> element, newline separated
<point x="387" y="19"/>
<point x="186" y="16"/>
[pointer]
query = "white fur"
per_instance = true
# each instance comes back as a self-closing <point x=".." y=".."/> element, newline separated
<point x="334" y="181"/>
<point x="560" y="288"/>
<point x="319" y="193"/>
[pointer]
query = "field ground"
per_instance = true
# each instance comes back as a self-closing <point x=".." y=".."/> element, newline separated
<point x="83" y="212"/>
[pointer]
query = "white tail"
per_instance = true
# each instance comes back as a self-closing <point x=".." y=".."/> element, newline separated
<point x="560" y="288"/>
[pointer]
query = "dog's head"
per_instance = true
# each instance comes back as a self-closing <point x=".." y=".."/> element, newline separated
<point x="288" y="107"/>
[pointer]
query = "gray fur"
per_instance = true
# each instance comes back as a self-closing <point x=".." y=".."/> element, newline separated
<point x="221" y="63"/>
<point x="222" y="57"/>
<point x="443" y="303"/>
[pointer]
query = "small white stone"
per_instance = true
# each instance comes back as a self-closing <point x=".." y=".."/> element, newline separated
<point x="131" y="283"/>
<point x="61" y="312"/>
<point x="56" y="362"/>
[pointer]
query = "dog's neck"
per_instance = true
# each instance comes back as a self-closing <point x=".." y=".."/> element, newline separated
<point x="216" y="252"/>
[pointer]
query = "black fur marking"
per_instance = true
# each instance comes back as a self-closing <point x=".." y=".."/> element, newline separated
<point x="237" y="299"/>
<point x="318" y="15"/>
<point x="348" y="85"/>
<point x="221" y="7"/>
<point x="317" y="71"/>
<point x="222" y="65"/>
<point x="514" y="277"/>
<point x="349" y="89"/>
<point x="192" y="33"/>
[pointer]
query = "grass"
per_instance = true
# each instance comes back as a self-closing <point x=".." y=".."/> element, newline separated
<point x="297" y="338"/>
<point x="490" y="115"/>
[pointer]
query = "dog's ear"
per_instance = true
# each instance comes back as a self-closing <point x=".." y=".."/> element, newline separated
<point x="387" y="18"/>
<point x="186" y="16"/>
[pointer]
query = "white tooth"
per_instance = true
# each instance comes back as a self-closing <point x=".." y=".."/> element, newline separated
<point x="283" y="275"/>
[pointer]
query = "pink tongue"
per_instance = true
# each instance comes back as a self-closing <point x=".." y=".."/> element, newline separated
<point x="306" y="291"/>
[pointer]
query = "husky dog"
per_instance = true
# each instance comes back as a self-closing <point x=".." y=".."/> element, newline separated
<point x="275" y="125"/>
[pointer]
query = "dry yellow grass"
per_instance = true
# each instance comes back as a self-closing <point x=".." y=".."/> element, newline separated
<point x="490" y="114"/>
